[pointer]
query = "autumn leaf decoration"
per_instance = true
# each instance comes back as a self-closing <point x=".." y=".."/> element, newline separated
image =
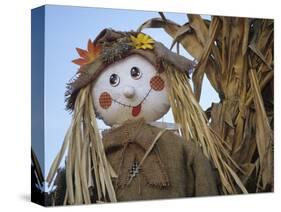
<point x="87" y="56"/>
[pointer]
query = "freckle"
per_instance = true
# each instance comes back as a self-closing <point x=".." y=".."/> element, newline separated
<point x="105" y="100"/>
<point x="157" y="83"/>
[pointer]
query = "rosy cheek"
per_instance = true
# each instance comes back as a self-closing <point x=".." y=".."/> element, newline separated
<point x="157" y="83"/>
<point x="105" y="100"/>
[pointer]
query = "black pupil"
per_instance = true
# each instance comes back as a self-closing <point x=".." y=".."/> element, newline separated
<point x="113" y="79"/>
<point x="135" y="72"/>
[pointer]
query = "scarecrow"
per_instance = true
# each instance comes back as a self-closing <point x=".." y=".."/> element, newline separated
<point x="129" y="80"/>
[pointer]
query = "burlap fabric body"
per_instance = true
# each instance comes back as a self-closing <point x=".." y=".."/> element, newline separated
<point x="173" y="169"/>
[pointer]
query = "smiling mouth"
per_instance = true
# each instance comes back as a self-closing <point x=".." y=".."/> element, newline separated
<point x="135" y="109"/>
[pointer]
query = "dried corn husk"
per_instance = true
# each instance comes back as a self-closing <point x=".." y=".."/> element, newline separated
<point x="236" y="55"/>
<point x="37" y="168"/>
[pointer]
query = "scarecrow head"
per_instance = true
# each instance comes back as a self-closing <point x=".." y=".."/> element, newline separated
<point x="126" y="74"/>
<point x="122" y="76"/>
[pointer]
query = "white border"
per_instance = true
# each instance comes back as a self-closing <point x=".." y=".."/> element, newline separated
<point x="15" y="103"/>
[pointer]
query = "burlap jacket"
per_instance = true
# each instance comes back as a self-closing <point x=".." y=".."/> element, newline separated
<point x="173" y="168"/>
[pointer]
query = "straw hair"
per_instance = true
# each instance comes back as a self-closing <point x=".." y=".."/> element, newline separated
<point x="194" y="128"/>
<point x="86" y="163"/>
<point x="86" y="160"/>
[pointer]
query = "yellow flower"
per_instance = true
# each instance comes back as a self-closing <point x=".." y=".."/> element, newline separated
<point x="142" y="41"/>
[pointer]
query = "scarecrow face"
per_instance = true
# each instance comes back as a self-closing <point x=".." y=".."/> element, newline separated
<point x="130" y="89"/>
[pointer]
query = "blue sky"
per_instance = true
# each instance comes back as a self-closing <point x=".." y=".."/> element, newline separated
<point x="69" y="27"/>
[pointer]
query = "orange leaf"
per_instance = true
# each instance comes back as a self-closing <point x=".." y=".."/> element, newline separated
<point x="83" y="53"/>
<point x="80" y="61"/>
<point x="89" y="55"/>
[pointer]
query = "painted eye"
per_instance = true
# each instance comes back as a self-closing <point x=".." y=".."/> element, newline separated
<point x="136" y="73"/>
<point x="114" y="80"/>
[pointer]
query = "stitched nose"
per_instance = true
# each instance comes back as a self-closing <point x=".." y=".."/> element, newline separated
<point x="129" y="92"/>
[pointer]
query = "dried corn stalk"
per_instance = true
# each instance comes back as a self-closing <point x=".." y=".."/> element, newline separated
<point x="37" y="169"/>
<point x="236" y="55"/>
